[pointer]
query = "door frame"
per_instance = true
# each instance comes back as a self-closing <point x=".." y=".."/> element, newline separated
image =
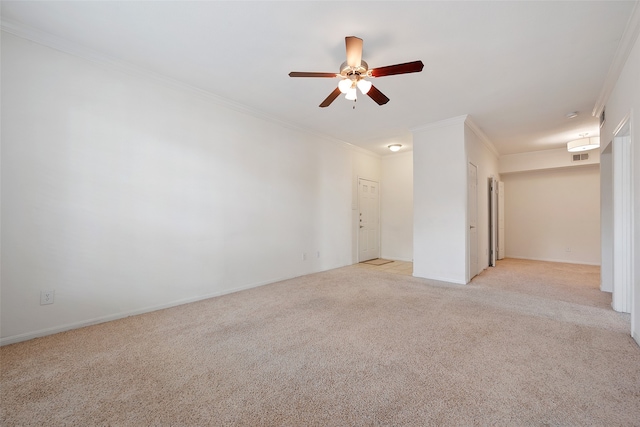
<point x="622" y="217"/>
<point x="493" y="221"/>
<point x="501" y="221"/>
<point x="472" y="215"/>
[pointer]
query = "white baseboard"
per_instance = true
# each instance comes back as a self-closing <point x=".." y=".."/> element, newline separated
<point x="564" y="261"/>
<point x="13" y="339"/>
<point x="441" y="279"/>
<point x="396" y="259"/>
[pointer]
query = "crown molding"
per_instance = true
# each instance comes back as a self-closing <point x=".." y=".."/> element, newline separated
<point x="391" y="156"/>
<point x="483" y="137"/>
<point x="440" y="124"/>
<point x="629" y="37"/>
<point x="78" y="50"/>
<point x="464" y="119"/>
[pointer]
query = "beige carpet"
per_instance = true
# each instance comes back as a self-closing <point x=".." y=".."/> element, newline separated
<point x="525" y="344"/>
<point x="377" y="261"/>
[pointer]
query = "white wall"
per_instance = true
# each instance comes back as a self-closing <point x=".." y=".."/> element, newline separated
<point x="554" y="215"/>
<point x="440" y="201"/>
<point x="544" y="159"/>
<point x="124" y="195"/>
<point x="397" y="206"/>
<point x="624" y="101"/>
<point x="442" y="152"/>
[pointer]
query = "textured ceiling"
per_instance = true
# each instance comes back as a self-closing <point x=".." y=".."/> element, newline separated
<point x="515" y="67"/>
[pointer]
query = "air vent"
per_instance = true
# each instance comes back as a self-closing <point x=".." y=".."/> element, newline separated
<point x="580" y="157"/>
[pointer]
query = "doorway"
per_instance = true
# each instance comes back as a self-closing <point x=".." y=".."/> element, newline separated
<point x="369" y="220"/>
<point x="622" y="219"/>
<point x="472" y="207"/>
<point x="617" y="219"/>
<point x="496" y="221"/>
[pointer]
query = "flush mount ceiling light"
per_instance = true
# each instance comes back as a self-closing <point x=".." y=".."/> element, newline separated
<point x="583" y="144"/>
<point x="571" y="115"/>
<point x="395" y="147"/>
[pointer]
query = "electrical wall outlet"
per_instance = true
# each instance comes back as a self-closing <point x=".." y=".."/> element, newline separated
<point x="46" y="297"/>
<point x="304" y="256"/>
<point x="568" y="249"/>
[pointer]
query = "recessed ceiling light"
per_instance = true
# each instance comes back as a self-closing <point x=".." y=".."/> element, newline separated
<point x="395" y="147"/>
<point x="571" y="115"/>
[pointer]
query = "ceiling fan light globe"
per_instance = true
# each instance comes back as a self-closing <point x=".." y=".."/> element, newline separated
<point x="344" y="85"/>
<point x="364" y="86"/>
<point x="351" y="94"/>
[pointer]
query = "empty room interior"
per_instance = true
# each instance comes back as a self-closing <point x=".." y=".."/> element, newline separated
<point x="320" y="213"/>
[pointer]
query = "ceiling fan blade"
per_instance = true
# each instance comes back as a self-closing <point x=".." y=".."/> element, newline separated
<point x="305" y="74"/>
<point x="390" y="70"/>
<point x="377" y="96"/>
<point x="354" y="51"/>
<point x="332" y="97"/>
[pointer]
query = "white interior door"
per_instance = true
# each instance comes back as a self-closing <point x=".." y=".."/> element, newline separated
<point x="493" y="221"/>
<point x="472" y="207"/>
<point x="369" y="221"/>
<point x="501" y="246"/>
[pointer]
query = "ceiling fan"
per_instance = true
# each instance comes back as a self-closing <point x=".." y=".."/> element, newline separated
<point x="354" y="71"/>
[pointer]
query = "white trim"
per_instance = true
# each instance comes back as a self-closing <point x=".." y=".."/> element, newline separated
<point x="635" y="287"/>
<point x="625" y="45"/>
<point x="97" y="320"/>
<point x="563" y="261"/>
<point x="396" y="259"/>
<point x="441" y="279"/>
<point x="625" y="120"/>
<point x="354" y="147"/>
<point x="75" y="49"/>
<point x="440" y="124"/>
<point x="483" y="137"/>
<point x="464" y="119"/>
<point x="468" y="272"/>
<point x="409" y="152"/>
<point x="622" y="219"/>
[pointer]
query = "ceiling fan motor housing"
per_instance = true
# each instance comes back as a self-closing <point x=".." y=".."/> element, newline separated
<point x="354" y="73"/>
<point x="353" y="76"/>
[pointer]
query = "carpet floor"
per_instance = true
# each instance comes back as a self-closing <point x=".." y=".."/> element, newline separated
<point x="524" y="344"/>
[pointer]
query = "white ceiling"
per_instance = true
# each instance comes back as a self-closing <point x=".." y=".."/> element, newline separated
<point x="515" y="67"/>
